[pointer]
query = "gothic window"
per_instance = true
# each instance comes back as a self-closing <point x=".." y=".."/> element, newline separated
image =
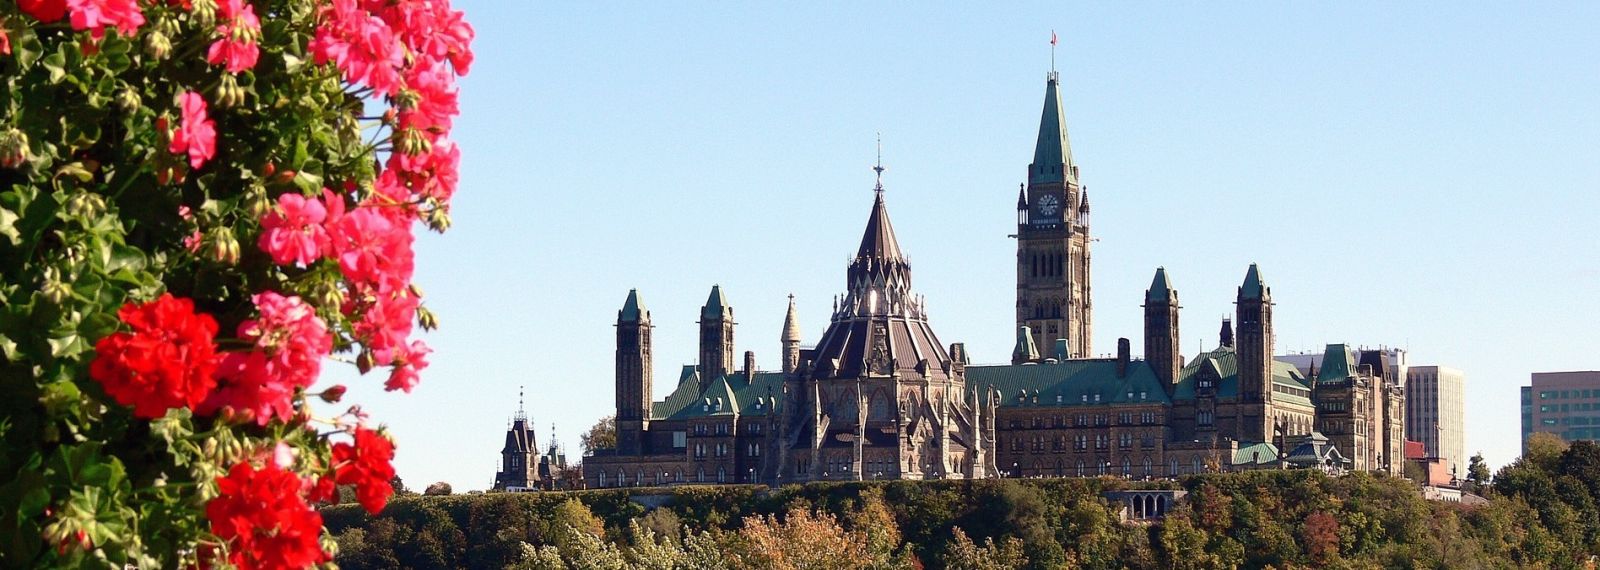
<point x="1173" y="468"/>
<point x="700" y="475"/>
<point x="1198" y="468"/>
<point x="1147" y="467"/>
<point x="1061" y="468"/>
<point x="622" y="478"/>
<point x="1080" y="468"/>
<point x="1127" y="468"/>
<point x="677" y="476"/>
<point x="602" y="478"/>
<point x="722" y="476"/>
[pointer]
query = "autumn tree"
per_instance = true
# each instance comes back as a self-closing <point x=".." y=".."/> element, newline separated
<point x="963" y="554"/>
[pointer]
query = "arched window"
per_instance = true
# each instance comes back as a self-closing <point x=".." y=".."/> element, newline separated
<point x="1127" y="467"/>
<point x="1061" y="468"/>
<point x="641" y="477"/>
<point x="1198" y="468"/>
<point x="1147" y="466"/>
<point x="722" y="476"/>
<point x="677" y="477"/>
<point x="1173" y="468"/>
<point x="1080" y="467"/>
<point x="700" y="475"/>
<point x="622" y="477"/>
<point x="602" y="478"/>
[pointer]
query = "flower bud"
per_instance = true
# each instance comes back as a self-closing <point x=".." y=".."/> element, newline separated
<point x="128" y="100"/>
<point x="87" y="205"/>
<point x="13" y="148"/>
<point x="203" y="13"/>
<point x="222" y="246"/>
<point x="156" y="45"/>
<point x="52" y="288"/>
<point x="411" y="142"/>
<point x="438" y="219"/>
<point x="427" y="319"/>
<point x="229" y="93"/>
<point x="209" y="448"/>
<point x="364" y="361"/>
<point x="328" y="296"/>
<point x="256" y="201"/>
<point x="333" y="394"/>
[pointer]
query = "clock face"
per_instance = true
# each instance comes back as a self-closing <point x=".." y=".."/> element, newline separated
<point x="1048" y="205"/>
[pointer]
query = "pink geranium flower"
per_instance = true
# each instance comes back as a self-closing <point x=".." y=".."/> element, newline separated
<point x="289" y="343"/>
<point x="361" y="45"/>
<point x="239" y="29"/>
<point x="95" y="15"/>
<point x="196" y="135"/>
<point x="293" y="232"/>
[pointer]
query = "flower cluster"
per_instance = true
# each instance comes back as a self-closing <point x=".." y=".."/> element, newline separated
<point x="365" y="464"/>
<point x="165" y="361"/>
<point x="316" y="134"/>
<point x="264" y="519"/>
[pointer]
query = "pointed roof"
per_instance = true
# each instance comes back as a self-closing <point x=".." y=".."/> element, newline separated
<point x="791" y="324"/>
<point x="1026" y="350"/>
<point x="1052" y="154"/>
<point x="878" y="240"/>
<point x="1254" y="287"/>
<point x="1022" y="197"/>
<point x="632" y="310"/>
<point x="1159" y="287"/>
<point x="1337" y="363"/>
<point x="716" y="306"/>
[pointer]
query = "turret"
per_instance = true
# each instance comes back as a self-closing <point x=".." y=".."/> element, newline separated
<point x="1161" y="348"/>
<point x="1225" y="337"/>
<point x="1026" y="350"/>
<point x="791" y="339"/>
<point x="716" y="338"/>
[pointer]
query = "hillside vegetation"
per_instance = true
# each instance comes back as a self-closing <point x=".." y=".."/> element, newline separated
<point x="1541" y="514"/>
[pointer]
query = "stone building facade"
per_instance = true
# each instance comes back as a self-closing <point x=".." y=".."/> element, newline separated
<point x="880" y="396"/>
<point x="524" y="466"/>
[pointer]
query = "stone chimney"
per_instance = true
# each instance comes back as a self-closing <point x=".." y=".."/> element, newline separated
<point x="749" y="364"/>
<point x="1123" y="355"/>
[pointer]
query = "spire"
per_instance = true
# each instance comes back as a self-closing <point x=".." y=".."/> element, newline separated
<point x="1083" y="202"/>
<point x="1159" y="287"/>
<point x="632" y="310"/>
<point x="1253" y="287"/>
<point x="716" y="306"/>
<point x="878" y="241"/>
<point x="1052" y="155"/>
<point x="791" y="323"/>
<point x="522" y="415"/>
<point x="1022" y="196"/>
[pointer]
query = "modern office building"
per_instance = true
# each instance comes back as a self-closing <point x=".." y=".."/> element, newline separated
<point x="1435" y="413"/>
<point x="1563" y="403"/>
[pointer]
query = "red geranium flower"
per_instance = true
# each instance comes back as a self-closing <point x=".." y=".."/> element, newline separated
<point x="367" y="466"/>
<point x="45" y="11"/>
<point x="265" y="521"/>
<point x="166" y="361"/>
<point x="239" y="29"/>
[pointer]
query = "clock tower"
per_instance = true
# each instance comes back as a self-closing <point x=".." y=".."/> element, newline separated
<point x="1053" y="240"/>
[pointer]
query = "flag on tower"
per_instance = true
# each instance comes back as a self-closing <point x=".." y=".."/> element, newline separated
<point x="1052" y="37"/>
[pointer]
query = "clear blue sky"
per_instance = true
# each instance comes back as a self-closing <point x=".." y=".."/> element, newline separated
<point x="1417" y="175"/>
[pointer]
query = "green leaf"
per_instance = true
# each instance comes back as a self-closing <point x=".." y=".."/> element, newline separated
<point x="67" y="346"/>
<point x="8" y="226"/>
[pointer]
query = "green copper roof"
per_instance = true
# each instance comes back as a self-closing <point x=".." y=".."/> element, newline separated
<point x="1069" y="383"/>
<point x="1159" y="287"/>
<point x="737" y="392"/>
<point x="1025" y="348"/>
<point x="1262" y="453"/>
<point x="716" y="306"/>
<point x="1337" y="363"/>
<point x="1253" y="286"/>
<point x="1225" y="364"/>
<point x="1052" y="154"/>
<point x="632" y="309"/>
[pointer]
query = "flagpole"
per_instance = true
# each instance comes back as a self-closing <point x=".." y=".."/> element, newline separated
<point x="1052" y="51"/>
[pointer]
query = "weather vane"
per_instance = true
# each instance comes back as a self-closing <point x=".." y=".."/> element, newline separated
<point x="879" y="167"/>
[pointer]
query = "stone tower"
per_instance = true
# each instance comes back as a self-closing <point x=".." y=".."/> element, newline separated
<point x="1255" y="343"/>
<point x="633" y="374"/>
<point x="716" y="338"/>
<point x="1053" y="296"/>
<point x="791" y="339"/>
<point x="1161" y="348"/>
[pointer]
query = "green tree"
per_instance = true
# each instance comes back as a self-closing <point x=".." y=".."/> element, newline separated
<point x="1478" y="471"/>
<point x="602" y="435"/>
<point x="1543" y="450"/>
